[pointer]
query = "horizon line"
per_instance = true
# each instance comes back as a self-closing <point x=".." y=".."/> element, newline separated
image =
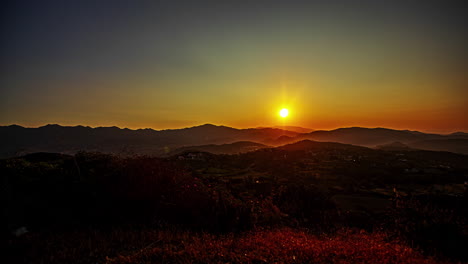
<point x="218" y="125"/>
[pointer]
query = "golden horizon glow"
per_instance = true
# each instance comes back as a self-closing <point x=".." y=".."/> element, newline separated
<point x="284" y="112"/>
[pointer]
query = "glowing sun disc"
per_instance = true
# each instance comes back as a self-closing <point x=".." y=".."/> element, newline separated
<point x="284" y="112"/>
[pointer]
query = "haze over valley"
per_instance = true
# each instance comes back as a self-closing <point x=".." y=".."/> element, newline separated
<point x="17" y="140"/>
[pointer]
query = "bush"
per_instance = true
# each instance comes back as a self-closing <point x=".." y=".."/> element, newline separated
<point x="433" y="223"/>
<point x="306" y="204"/>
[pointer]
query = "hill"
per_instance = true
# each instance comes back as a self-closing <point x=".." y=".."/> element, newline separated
<point x="315" y="145"/>
<point x="293" y="128"/>
<point x="374" y="137"/>
<point x="369" y="136"/>
<point x="394" y="146"/>
<point x="232" y="148"/>
<point x="16" y="140"/>
<point x="457" y="145"/>
<point x="70" y="202"/>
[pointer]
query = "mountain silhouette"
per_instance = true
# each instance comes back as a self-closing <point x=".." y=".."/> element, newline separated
<point x="292" y="128"/>
<point x="372" y="137"/>
<point x="457" y="145"/>
<point x="394" y="146"/>
<point x="316" y="145"/>
<point x="17" y="140"/>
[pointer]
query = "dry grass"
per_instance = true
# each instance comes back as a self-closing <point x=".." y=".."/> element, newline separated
<point x="276" y="246"/>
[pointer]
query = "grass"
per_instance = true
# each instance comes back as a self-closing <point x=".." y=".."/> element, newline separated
<point x="283" y="245"/>
<point x="277" y="246"/>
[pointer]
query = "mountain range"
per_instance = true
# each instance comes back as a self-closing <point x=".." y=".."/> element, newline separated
<point x="17" y="140"/>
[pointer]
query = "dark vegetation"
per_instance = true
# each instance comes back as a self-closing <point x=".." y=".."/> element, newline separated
<point x="300" y="203"/>
<point x="232" y="148"/>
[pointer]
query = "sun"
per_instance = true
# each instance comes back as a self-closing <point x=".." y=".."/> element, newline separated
<point x="284" y="112"/>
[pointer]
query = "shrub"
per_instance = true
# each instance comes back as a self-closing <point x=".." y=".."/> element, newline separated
<point x="427" y="223"/>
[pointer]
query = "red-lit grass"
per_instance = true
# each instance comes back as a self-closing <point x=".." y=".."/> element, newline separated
<point x="277" y="246"/>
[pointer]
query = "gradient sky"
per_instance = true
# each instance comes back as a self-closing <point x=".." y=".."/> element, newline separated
<point x="171" y="64"/>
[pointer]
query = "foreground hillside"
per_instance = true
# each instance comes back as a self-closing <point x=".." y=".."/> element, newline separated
<point x="278" y="246"/>
<point x="271" y="205"/>
<point x="283" y="245"/>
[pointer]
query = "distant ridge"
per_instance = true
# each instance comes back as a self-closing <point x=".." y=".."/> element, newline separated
<point x="394" y="146"/>
<point x="457" y="145"/>
<point x="372" y="137"/>
<point x="313" y="145"/>
<point x="17" y="140"/>
<point x="293" y="128"/>
<point x="463" y="134"/>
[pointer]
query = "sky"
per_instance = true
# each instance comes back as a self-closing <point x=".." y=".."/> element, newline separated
<point x="172" y="64"/>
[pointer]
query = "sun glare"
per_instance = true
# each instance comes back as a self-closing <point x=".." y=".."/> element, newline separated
<point x="284" y="112"/>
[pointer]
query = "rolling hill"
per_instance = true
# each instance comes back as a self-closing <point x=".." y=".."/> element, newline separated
<point x="17" y="140"/>
<point x="457" y="145"/>
<point x="232" y="148"/>
<point x="316" y="145"/>
<point x="374" y="137"/>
